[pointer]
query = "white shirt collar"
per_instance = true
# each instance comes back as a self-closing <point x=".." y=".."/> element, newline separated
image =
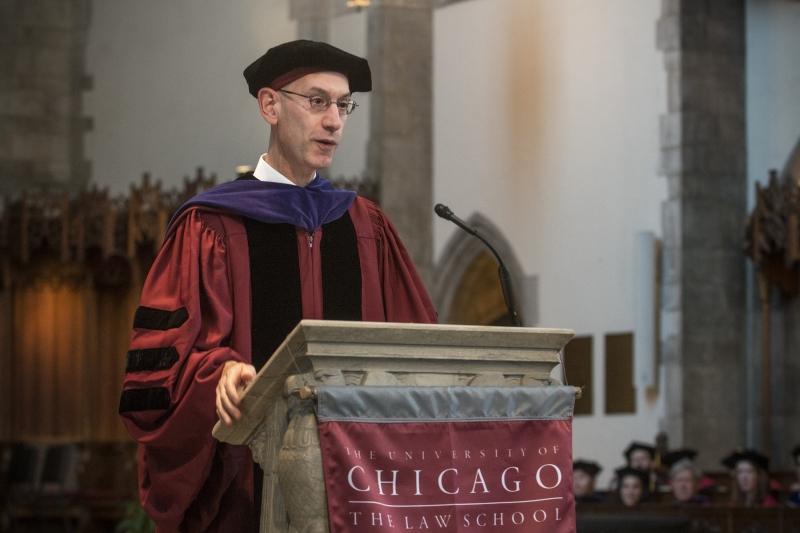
<point x="265" y="172"/>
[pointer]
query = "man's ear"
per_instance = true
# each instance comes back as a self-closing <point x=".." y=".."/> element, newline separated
<point x="268" y="105"/>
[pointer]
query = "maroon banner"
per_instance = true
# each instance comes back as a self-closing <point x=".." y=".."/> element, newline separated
<point x="449" y="476"/>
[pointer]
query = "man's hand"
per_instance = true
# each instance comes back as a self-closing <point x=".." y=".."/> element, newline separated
<point x="234" y="379"/>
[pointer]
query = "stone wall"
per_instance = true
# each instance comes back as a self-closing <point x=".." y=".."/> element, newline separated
<point x="42" y="77"/>
<point x="703" y="159"/>
<point x="400" y="151"/>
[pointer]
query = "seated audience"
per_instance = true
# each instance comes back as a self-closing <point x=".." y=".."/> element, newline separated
<point x="794" y="489"/>
<point x="750" y="487"/>
<point x="584" y="474"/>
<point x="684" y="477"/>
<point x="632" y="486"/>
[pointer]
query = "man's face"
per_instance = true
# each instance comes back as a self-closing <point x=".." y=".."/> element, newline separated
<point x="641" y="460"/>
<point x="630" y="491"/>
<point x="582" y="483"/>
<point x="683" y="485"/>
<point x="306" y="140"/>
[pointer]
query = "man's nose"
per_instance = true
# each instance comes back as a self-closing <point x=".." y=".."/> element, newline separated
<point x="331" y="120"/>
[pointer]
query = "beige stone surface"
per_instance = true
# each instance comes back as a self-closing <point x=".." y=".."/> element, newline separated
<point x="280" y="427"/>
<point x="431" y="354"/>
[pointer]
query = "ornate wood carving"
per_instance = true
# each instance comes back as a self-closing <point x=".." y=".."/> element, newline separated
<point x="50" y="235"/>
<point x="772" y="241"/>
<point x="773" y="232"/>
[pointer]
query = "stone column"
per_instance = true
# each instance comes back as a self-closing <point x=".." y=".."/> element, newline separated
<point x="313" y="18"/>
<point x="399" y="153"/>
<point x="703" y="158"/>
<point x="42" y="76"/>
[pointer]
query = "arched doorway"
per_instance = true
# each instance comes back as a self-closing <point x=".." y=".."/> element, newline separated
<point x="467" y="288"/>
<point x="478" y="298"/>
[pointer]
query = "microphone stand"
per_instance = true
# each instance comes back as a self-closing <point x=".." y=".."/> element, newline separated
<point x="505" y="278"/>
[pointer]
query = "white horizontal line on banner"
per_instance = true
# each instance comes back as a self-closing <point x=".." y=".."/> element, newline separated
<point x="453" y="504"/>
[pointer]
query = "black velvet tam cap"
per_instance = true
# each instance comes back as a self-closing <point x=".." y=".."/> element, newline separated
<point x="590" y="467"/>
<point x="626" y="471"/>
<point x="287" y="62"/>
<point x="670" y="458"/>
<point x="752" y="456"/>
<point x="633" y="446"/>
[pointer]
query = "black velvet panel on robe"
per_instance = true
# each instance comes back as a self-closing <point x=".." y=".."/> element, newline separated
<point x="276" y="298"/>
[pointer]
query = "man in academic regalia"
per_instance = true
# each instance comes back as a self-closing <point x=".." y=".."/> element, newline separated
<point x="686" y="482"/>
<point x="241" y="264"/>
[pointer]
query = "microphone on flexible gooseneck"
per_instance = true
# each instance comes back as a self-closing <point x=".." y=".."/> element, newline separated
<point x="505" y="279"/>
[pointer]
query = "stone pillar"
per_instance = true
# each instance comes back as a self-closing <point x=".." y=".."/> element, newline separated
<point x="399" y="153"/>
<point x="313" y="18"/>
<point x="42" y="76"/>
<point x="703" y="158"/>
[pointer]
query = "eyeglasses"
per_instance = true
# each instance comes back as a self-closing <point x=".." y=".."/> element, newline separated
<point x="320" y="103"/>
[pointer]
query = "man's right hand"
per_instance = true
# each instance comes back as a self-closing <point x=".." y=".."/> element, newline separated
<point x="235" y="377"/>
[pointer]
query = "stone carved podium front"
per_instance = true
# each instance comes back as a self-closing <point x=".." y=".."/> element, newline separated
<point x="278" y="422"/>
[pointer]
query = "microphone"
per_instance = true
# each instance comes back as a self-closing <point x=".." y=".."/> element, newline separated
<point x="505" y="278"/>
<point x="445" y="212"/>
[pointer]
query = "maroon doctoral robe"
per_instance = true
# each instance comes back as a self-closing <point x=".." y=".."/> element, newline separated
<point x="215" y="293"/>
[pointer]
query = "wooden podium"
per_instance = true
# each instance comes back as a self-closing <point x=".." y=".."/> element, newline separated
<point x="278" y="422"/>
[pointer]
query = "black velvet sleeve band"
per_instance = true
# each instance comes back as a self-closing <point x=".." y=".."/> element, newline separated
<point x="151" y="359"/>
<point x="144" y="399"/>
<point x="160" y="319"/>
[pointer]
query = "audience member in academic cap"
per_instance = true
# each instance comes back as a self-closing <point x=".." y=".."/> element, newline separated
<point x="684" y="477"/>
<point x="794" y="489"/>
<point x="584" y="474"/>
<point x="640" y="456"/>
<point x="632" y="486"/>
<point x="749" y="471"/>
<point x="643" y="457"/>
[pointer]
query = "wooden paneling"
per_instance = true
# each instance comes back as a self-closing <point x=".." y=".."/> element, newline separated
<point x="668" y="518"/>
<point x="6" y="393"/>
<point x="66" y="362"/>
<point x="578" y="363"/>
<point x="113" y="328"/>
<point x="620" y="392"/>
<point x="70" y="274"/>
